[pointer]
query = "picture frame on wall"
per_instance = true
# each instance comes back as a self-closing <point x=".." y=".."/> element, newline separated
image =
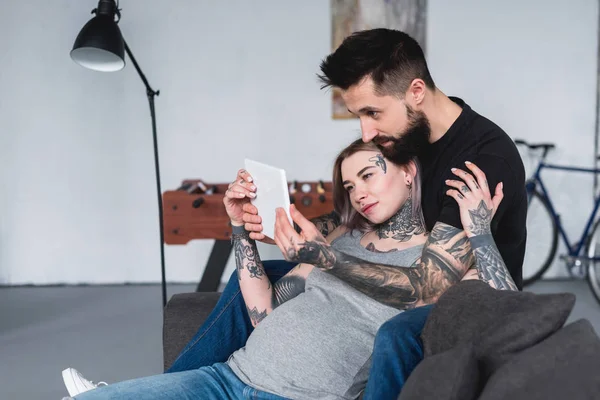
<point x="349" y="16"/>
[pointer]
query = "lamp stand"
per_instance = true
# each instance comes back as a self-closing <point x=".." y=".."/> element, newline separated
<point x="151" y="94"/>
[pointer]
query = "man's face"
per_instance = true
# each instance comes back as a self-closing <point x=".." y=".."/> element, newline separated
<point x="396" y="128"/>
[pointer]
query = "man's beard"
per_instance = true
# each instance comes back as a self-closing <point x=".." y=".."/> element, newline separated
<point x="413" y="142"/>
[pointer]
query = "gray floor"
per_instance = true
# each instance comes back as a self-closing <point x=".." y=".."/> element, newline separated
<point x="113" y="333"/>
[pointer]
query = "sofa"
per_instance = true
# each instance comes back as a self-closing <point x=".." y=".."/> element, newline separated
<point x="479" y="343"/>
<point x="182" y="316"/>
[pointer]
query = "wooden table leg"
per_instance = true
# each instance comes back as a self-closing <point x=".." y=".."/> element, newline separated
<point x="213" y="272"/>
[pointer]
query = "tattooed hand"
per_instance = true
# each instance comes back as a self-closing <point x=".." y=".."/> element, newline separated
<point x="477" y="207"/>
<point x="309" y="246"/>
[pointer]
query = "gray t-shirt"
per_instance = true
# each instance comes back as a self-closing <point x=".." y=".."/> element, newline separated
<point x="318" y="345"/>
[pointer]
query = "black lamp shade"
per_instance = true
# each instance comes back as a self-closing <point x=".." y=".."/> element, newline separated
<point x="99" y="45"/>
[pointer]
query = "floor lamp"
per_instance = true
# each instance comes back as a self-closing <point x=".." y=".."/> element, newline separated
<point x="100" y="47"/>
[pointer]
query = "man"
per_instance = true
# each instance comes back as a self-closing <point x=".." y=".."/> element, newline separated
<point x="385" y="81"/>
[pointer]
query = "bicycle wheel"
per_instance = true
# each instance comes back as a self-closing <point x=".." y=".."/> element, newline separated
<point x="593" y="250"/>
<point x="542" y="239"/>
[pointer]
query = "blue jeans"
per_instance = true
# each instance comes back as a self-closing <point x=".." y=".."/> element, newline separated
<point x="215" y="382"/>
<point x="397" y="351"/>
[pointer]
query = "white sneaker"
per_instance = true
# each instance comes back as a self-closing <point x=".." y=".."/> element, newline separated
<point x="76" y="383"/>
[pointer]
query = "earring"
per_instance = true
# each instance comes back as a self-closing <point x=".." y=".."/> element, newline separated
<point x="409" y="184"/>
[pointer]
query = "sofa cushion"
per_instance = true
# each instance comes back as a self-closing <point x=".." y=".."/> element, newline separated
<point x="499" y="323"/>
<point x="452" y="374"/>
<point x="564" y="366"/>
<point x="183" y="315"/>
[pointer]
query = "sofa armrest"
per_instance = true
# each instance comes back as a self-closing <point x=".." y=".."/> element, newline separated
<point x="182" y="317"/>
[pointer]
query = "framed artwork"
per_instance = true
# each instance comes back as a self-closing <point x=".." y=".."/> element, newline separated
<point x="355" y="15"/>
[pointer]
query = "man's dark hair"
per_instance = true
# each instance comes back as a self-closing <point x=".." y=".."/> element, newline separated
<point x="391" y="58"/>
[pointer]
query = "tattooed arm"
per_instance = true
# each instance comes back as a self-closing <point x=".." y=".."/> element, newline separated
<point x="327" y="223"/>
<point x="259" y="295"/>
<point x="445" y="259"/>
<point x="489" y="263"/>
<point x="477" y="209"/>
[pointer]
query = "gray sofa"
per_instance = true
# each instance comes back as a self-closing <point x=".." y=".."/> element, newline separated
<point x="479" y="343"/>
<point x="182" y="317"/>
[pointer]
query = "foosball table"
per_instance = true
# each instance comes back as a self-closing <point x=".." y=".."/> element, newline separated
<point x="195" y="210"/>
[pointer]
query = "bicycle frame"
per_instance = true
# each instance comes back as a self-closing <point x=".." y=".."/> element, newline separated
<point x="574" y="250"/>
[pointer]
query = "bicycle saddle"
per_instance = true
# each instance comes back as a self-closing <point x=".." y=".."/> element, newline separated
<point x="534" y="146"/>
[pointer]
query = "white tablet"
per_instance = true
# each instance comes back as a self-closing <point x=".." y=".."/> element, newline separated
<point x="271" y="193"/>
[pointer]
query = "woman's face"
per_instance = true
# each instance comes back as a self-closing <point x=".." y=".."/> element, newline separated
<point x="376" y="188"/>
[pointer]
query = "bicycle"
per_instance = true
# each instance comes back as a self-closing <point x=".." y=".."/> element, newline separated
<point x="580" y="262"/>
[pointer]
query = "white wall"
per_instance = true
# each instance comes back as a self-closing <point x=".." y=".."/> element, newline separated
<point x="530" y="66"/>
<point x="237" y="78"/>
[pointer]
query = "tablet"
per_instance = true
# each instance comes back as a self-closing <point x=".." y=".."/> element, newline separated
<point x="271" y="193"/>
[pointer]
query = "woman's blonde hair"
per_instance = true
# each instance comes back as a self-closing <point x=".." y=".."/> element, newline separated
<point x="341" y="200"/>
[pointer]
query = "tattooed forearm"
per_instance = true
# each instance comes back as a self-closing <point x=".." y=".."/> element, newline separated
<point x="488" y="261"/>
<point x="326" y="223"/>
<point x="490" y="266"/>
<point x="256" y="316"/>
<point x="316" y="252"/>
<point x="257" y="291"/>
<point x="400" y="287"/>
<point x="460" y="249"/>
<point x="442" y="234"/>
<point x="246" y="255"/>
<point x="254" y="284"/>
<point x="440" y="266"/>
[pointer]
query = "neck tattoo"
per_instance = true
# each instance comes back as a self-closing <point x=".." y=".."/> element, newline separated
<point x="402" y="226"/>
